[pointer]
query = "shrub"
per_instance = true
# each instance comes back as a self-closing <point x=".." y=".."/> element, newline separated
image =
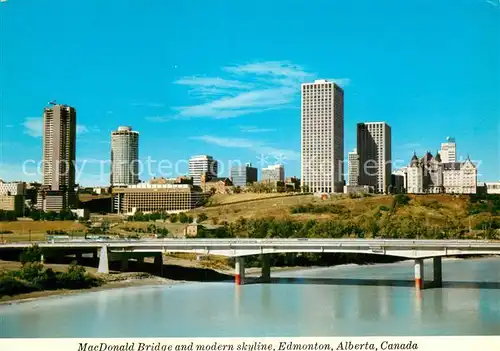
<point x="31" y="254"/>
<point x="173" y="218"/>
<point x="202" y="217"/>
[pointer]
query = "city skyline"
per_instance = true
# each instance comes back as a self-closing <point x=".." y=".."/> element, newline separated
<point x="245" y="102"/>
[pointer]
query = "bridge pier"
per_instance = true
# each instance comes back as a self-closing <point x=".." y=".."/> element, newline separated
<point x="124" y="263"/>
<point x="103" y="260"/>
<point x="266" y="268"/>
<point x="438" y="271"/>
<point x="239" y="267"/>
<point x="42" y="259"/>
<point x="158" y="263"/>
<point x="419" y="273"/>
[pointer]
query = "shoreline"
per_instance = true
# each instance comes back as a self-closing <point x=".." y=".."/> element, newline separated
<point x="138" y="279"/>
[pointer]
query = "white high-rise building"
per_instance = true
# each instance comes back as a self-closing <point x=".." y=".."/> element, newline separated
<point x="322" y="137"/>
<point x="353" y="168"/>
<point x="124" y="157"/>
<point x="200" y="165"/>
<point x="448" y="150"/>
<point x="375" y="160"/>
<point x="274" y="173"/>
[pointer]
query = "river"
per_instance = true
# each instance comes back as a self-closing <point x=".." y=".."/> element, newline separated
<point x="337" y="301"/>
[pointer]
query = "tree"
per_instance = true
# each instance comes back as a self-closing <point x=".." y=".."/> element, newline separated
<point x="202" y="217"/>
<point x="173" y="218"/>
<point x="30" y="255"/>
<point x="183" y="218"/>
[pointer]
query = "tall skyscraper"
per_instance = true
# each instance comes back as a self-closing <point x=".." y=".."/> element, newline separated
<point x="448" y="151"/>
<point x="322" y="138"/>
<point x="353" y="168"/>
<point x="274" y="173"/>
<point x="200" y="165"/>
<point x="59" y="151"/>
<point x="124" y="157"/>
<point x="375" y="160"/>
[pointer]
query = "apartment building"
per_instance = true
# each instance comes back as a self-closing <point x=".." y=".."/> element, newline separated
<point x="375" y="155"/>
<point x="274" y="173"/>
<point x="202" y="164"/>
<point x="243" y="175"/>
<point x="59" y="151"/>
<point x="322" y="137"/>
<point x="124" y="157"/>
<point x="144" y="197"/>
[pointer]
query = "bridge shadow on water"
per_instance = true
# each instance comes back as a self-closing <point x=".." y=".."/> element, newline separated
<point x="377" y="282"/>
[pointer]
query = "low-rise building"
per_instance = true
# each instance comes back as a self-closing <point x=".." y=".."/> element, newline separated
<point x="292" y="184"/>
<point x="274" y="173"/>
<point x="399" y="181"/>
<point x="492" y="187"/>
<point x="215" y="185"/>
<point x="12" y="203"/>
<point x="12" y="188"/>
<point x="146" y="197"/>
<point x="51" y="200"/>
<point x="359" y="189"/>
<point x="192" y="229"/>
<point x="176" y="180"/>
<point x="81" y="213"/>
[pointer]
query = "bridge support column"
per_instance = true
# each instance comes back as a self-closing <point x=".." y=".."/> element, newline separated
<point x="124" y="263"/>
<point x="42" y="259"/>
<point x="158" y="263"/>
<point x="78" y="257"/>
<point x="239" y="266"/>
<point x="438" y="272"/>
<point x="419" y="273"/>
<point x="103" y="261"/>
<point x="266" y="268"/>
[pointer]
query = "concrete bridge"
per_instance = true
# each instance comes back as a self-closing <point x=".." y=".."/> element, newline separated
<point x="123" y="250"/>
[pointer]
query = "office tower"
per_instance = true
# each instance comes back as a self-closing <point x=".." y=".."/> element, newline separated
<point x="274" y="173"/>
<point x="200" y="165"/>
<point x="322" y="138"/>
<point x="353" y="168"/>
<point x="448" y="151"/>
<point x="124" y="157"/>
<point x="243" y="175"/>
<point x="374" y="149"/>
<point x="59" y="151"/>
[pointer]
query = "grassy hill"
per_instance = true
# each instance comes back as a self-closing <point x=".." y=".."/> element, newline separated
<point x="435" y="209"/>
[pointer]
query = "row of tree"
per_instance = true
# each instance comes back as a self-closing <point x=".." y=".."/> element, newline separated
<point x="366" y="226"/>
<point x="36" y="215"/>
<point x="172" y="217"/>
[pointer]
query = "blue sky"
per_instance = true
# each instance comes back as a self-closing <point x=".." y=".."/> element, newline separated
<point x="223" y="77"/>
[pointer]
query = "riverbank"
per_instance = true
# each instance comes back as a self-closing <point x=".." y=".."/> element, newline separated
<point x="112" y="281"/>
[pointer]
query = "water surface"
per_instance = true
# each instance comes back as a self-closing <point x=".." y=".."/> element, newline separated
<point x="338" y="301"/>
